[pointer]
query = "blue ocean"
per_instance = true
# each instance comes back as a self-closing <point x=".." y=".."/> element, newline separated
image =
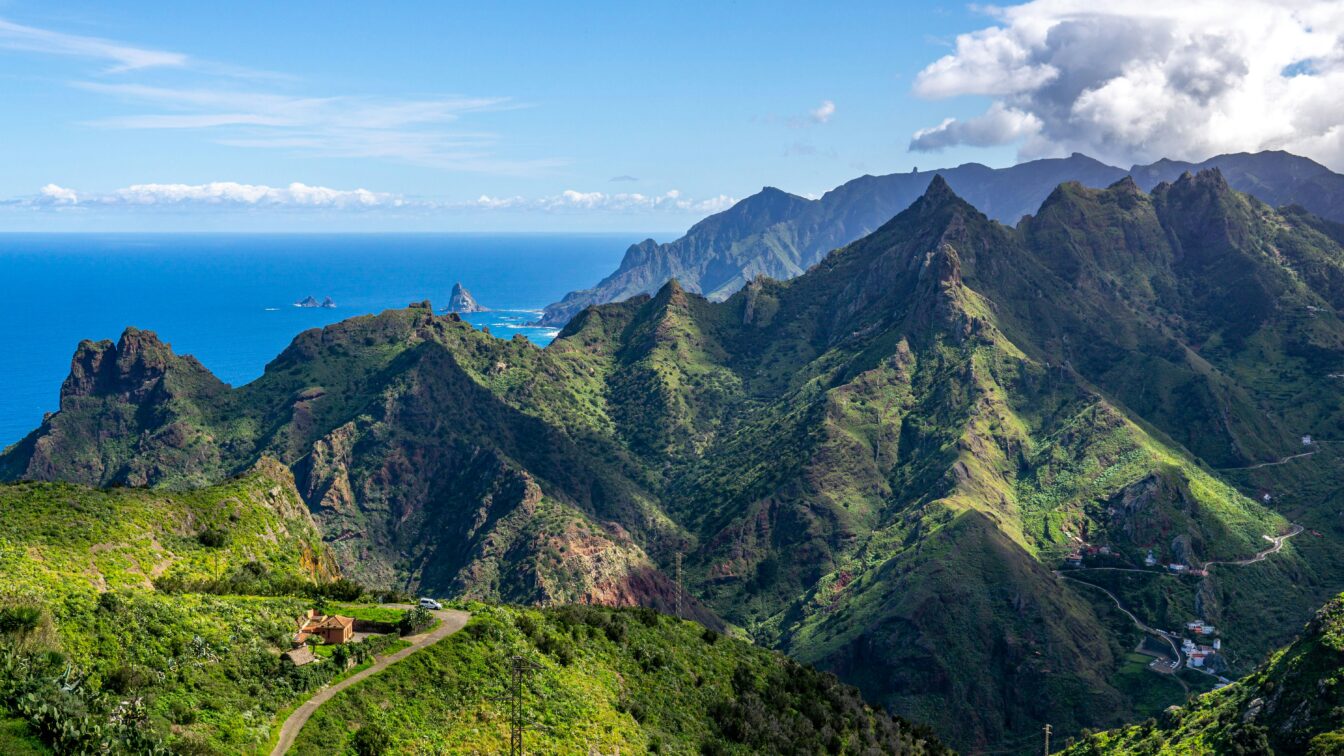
<point x="228" y="298"/>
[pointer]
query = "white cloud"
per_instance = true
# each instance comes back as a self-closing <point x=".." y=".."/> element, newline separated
<point x="420" y="130"/>
<point x="59" y="195"/>
<point x="823" y="112"/>
<point x="622" y="202"/>
<point x="1146" y="79"/>
<point x="123" y="57"/>
<point x="226" y="195"/>
<point x="998" y="125"/>
<point x="415" y="131"/>
<point x="221" y="193"/>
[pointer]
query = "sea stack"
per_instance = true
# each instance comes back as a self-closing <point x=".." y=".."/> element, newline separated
<point x="461" y="300"/>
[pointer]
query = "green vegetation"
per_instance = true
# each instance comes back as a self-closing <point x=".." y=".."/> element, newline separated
<point x="96" y="659"/>
<point x="628" y="679"/>
<point x="882" y="459"/>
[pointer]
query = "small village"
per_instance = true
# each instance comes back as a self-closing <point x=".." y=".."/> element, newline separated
<point x="1197" y="646"/>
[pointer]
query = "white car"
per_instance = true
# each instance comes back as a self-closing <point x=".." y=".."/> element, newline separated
<point x="429" y="603"/>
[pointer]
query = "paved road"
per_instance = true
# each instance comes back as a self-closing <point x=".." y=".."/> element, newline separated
<point x="1276" y="541"/>
<point x="1260" y="557"/>
<point x="450" y="621"/>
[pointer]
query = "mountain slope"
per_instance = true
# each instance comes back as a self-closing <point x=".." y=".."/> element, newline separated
<point x="883" y="458"/>
<point x="58" y="537"/>
<point x="801" y="233"/>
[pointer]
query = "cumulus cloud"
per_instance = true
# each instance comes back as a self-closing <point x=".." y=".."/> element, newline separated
<point x="1147" y="79"/>
<point x="622" y="202"/>
<point x="221" y="193"/>
<point x="998" y="125"/>
<point x="226" y="195"/>
<point x="823" y="112"/>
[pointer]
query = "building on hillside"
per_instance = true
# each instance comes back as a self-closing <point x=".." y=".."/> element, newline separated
<point x="1150" y="560"/>
<point x="336" y="629"/>
<point x="1177" y="568"/>
<point x="332" y="629"/>
<point x="1200" y="627"/>
<point x="1306" y="441"/>
<point x="1074" y="560"/>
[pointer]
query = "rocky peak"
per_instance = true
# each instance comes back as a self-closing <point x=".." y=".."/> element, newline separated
<point x="938" y="191"/>
<point x="1126" y="185"/>
<point x="461" y="300"/>
<point x="129" y="367"/>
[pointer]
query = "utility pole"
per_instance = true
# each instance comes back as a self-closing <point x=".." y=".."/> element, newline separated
<point x="679" y="591"/>
<point x="519" y="669"/>
<point x="1047" y="740"/>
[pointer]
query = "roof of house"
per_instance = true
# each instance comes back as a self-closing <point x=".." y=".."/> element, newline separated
<point x="336" y="621"/>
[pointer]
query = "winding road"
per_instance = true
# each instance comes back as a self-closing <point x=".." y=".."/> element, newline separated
<point x="1175" y="650"/>
<point x="450" y="621"/>
<point x="1277" y="540"/>
<point x="1277" y="546"/>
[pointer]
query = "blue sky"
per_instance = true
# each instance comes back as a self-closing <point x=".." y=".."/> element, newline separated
<point x="619" y="116"/>
<point x="449" y="102"/>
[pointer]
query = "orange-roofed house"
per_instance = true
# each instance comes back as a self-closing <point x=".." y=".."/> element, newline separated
<point x="336" y="629"/>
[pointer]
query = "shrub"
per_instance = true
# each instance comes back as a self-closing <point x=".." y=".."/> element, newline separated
<point x="20" y="619"/>
<point x="342" y="589"/>
<point x="109" y="602"/>
<point x="415" y="620"/>
<point x="371" y="740"/>
<point x="213" y="538"/>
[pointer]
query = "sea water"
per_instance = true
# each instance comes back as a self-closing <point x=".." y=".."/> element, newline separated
<point x="228" y="299"/>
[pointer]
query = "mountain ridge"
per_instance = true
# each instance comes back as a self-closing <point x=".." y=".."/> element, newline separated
<point x="717" y="265"/>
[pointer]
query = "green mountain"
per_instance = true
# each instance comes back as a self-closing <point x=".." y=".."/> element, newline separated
<point x="721" y="254"/>
<point x="1291" y="704"/>
<point x="875" y="466"/>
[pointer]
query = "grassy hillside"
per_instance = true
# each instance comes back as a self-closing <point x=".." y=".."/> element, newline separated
<point x="65" y="538"/>
<point x="95" y="657"/>
<point x="606" y="679"/>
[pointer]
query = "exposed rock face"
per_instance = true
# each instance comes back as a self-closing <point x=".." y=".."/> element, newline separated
<point x="461" y="300"/>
